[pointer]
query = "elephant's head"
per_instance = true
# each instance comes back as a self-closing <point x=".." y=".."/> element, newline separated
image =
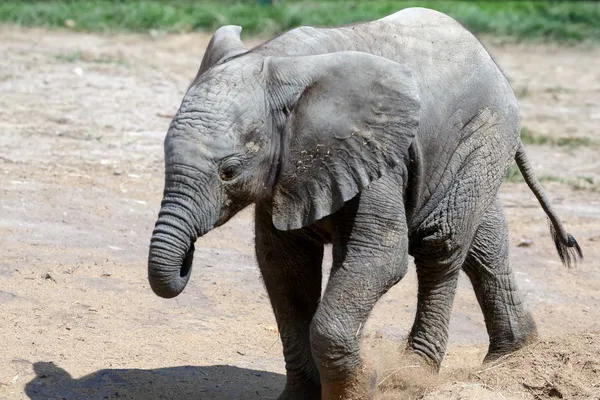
<point x="303" y="133"/>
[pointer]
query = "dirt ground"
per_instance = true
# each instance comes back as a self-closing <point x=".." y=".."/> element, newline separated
<point x="82" y="120"/>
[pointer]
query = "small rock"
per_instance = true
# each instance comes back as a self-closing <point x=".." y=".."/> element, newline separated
<point x="525" y="242"/>
<point x="271" y="329"/>
<point x="78" y="71"/>
<point x="117" y="173"/>
<point x="69" y="23"/>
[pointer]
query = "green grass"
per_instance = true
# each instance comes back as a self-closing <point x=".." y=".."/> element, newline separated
<point x="79" y="56"/>
<point x="552" y="21"/>
<point x="70" y="57"/>
<point x="513" y="175"/>
<point x="530" y="137"/>
<point x="578" y="183"/>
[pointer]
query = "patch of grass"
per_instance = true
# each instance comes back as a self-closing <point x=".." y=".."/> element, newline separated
<point x="530" y="137"/>
<point x="575" y="142"/>
<point x="576" y="183"/>
<point x="563" y="21"/>
<point x="70" y="57"/>
<point x="522" y="92"/>
<point x="556" y="90"/>
<point x="79" y="56"/>
<point x="513" y="175"/>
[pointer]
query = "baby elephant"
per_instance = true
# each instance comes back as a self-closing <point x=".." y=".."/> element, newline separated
<point x="385" y="139"/>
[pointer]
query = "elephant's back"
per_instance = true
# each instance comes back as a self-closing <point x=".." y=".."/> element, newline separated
<point x="409" y="35"/>
<point x="439" y="51"/>
<point x="427" y="36"/>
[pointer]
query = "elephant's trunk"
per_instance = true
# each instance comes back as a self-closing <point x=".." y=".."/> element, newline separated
<point x="172" y="245"/>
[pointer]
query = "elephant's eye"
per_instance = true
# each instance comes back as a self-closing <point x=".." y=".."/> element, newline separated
<point x="230" y="168"/>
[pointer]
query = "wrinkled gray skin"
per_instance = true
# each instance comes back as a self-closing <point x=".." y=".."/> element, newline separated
<point x="385" y="139"/>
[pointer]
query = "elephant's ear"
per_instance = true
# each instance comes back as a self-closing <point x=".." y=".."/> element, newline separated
<point x="349" y="118"/>
<point x="225" y="43"/>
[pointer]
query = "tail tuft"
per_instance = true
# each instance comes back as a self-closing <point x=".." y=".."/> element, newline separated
<point x="569" y="252"/>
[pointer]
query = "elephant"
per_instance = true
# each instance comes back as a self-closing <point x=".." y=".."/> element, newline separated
<point x="384" y="139"/>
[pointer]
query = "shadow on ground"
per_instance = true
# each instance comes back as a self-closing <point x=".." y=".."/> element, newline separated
<point x="216" y="382"/>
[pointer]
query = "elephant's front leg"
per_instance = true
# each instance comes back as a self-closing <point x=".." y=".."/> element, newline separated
<point x="429" y="334"/>
<point x="369" y="257"/>
<point x="290" y="263"/>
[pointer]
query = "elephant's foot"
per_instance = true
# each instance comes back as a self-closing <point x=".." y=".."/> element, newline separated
<point x="301" y="394"/>
<point x="414" y="359"/>
<point x="423" y="355"/>
<point x="525" y="334"/>
<point x="358" y="386"/>
<point x="497" y="350"/>
<point x="412" y="372"/>
<point x="307" y="391"/>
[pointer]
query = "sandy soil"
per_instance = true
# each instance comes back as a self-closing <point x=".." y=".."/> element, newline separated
<point x="82" y="119"/>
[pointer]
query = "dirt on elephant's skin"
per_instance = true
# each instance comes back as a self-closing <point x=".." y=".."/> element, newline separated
<point x="82" y="120"/>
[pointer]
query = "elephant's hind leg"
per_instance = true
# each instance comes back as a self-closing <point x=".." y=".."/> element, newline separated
<point x="290" y="264"/>
<point x="510" y="326"/>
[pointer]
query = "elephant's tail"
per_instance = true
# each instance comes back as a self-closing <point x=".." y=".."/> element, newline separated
<point x="566" y="245"/>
